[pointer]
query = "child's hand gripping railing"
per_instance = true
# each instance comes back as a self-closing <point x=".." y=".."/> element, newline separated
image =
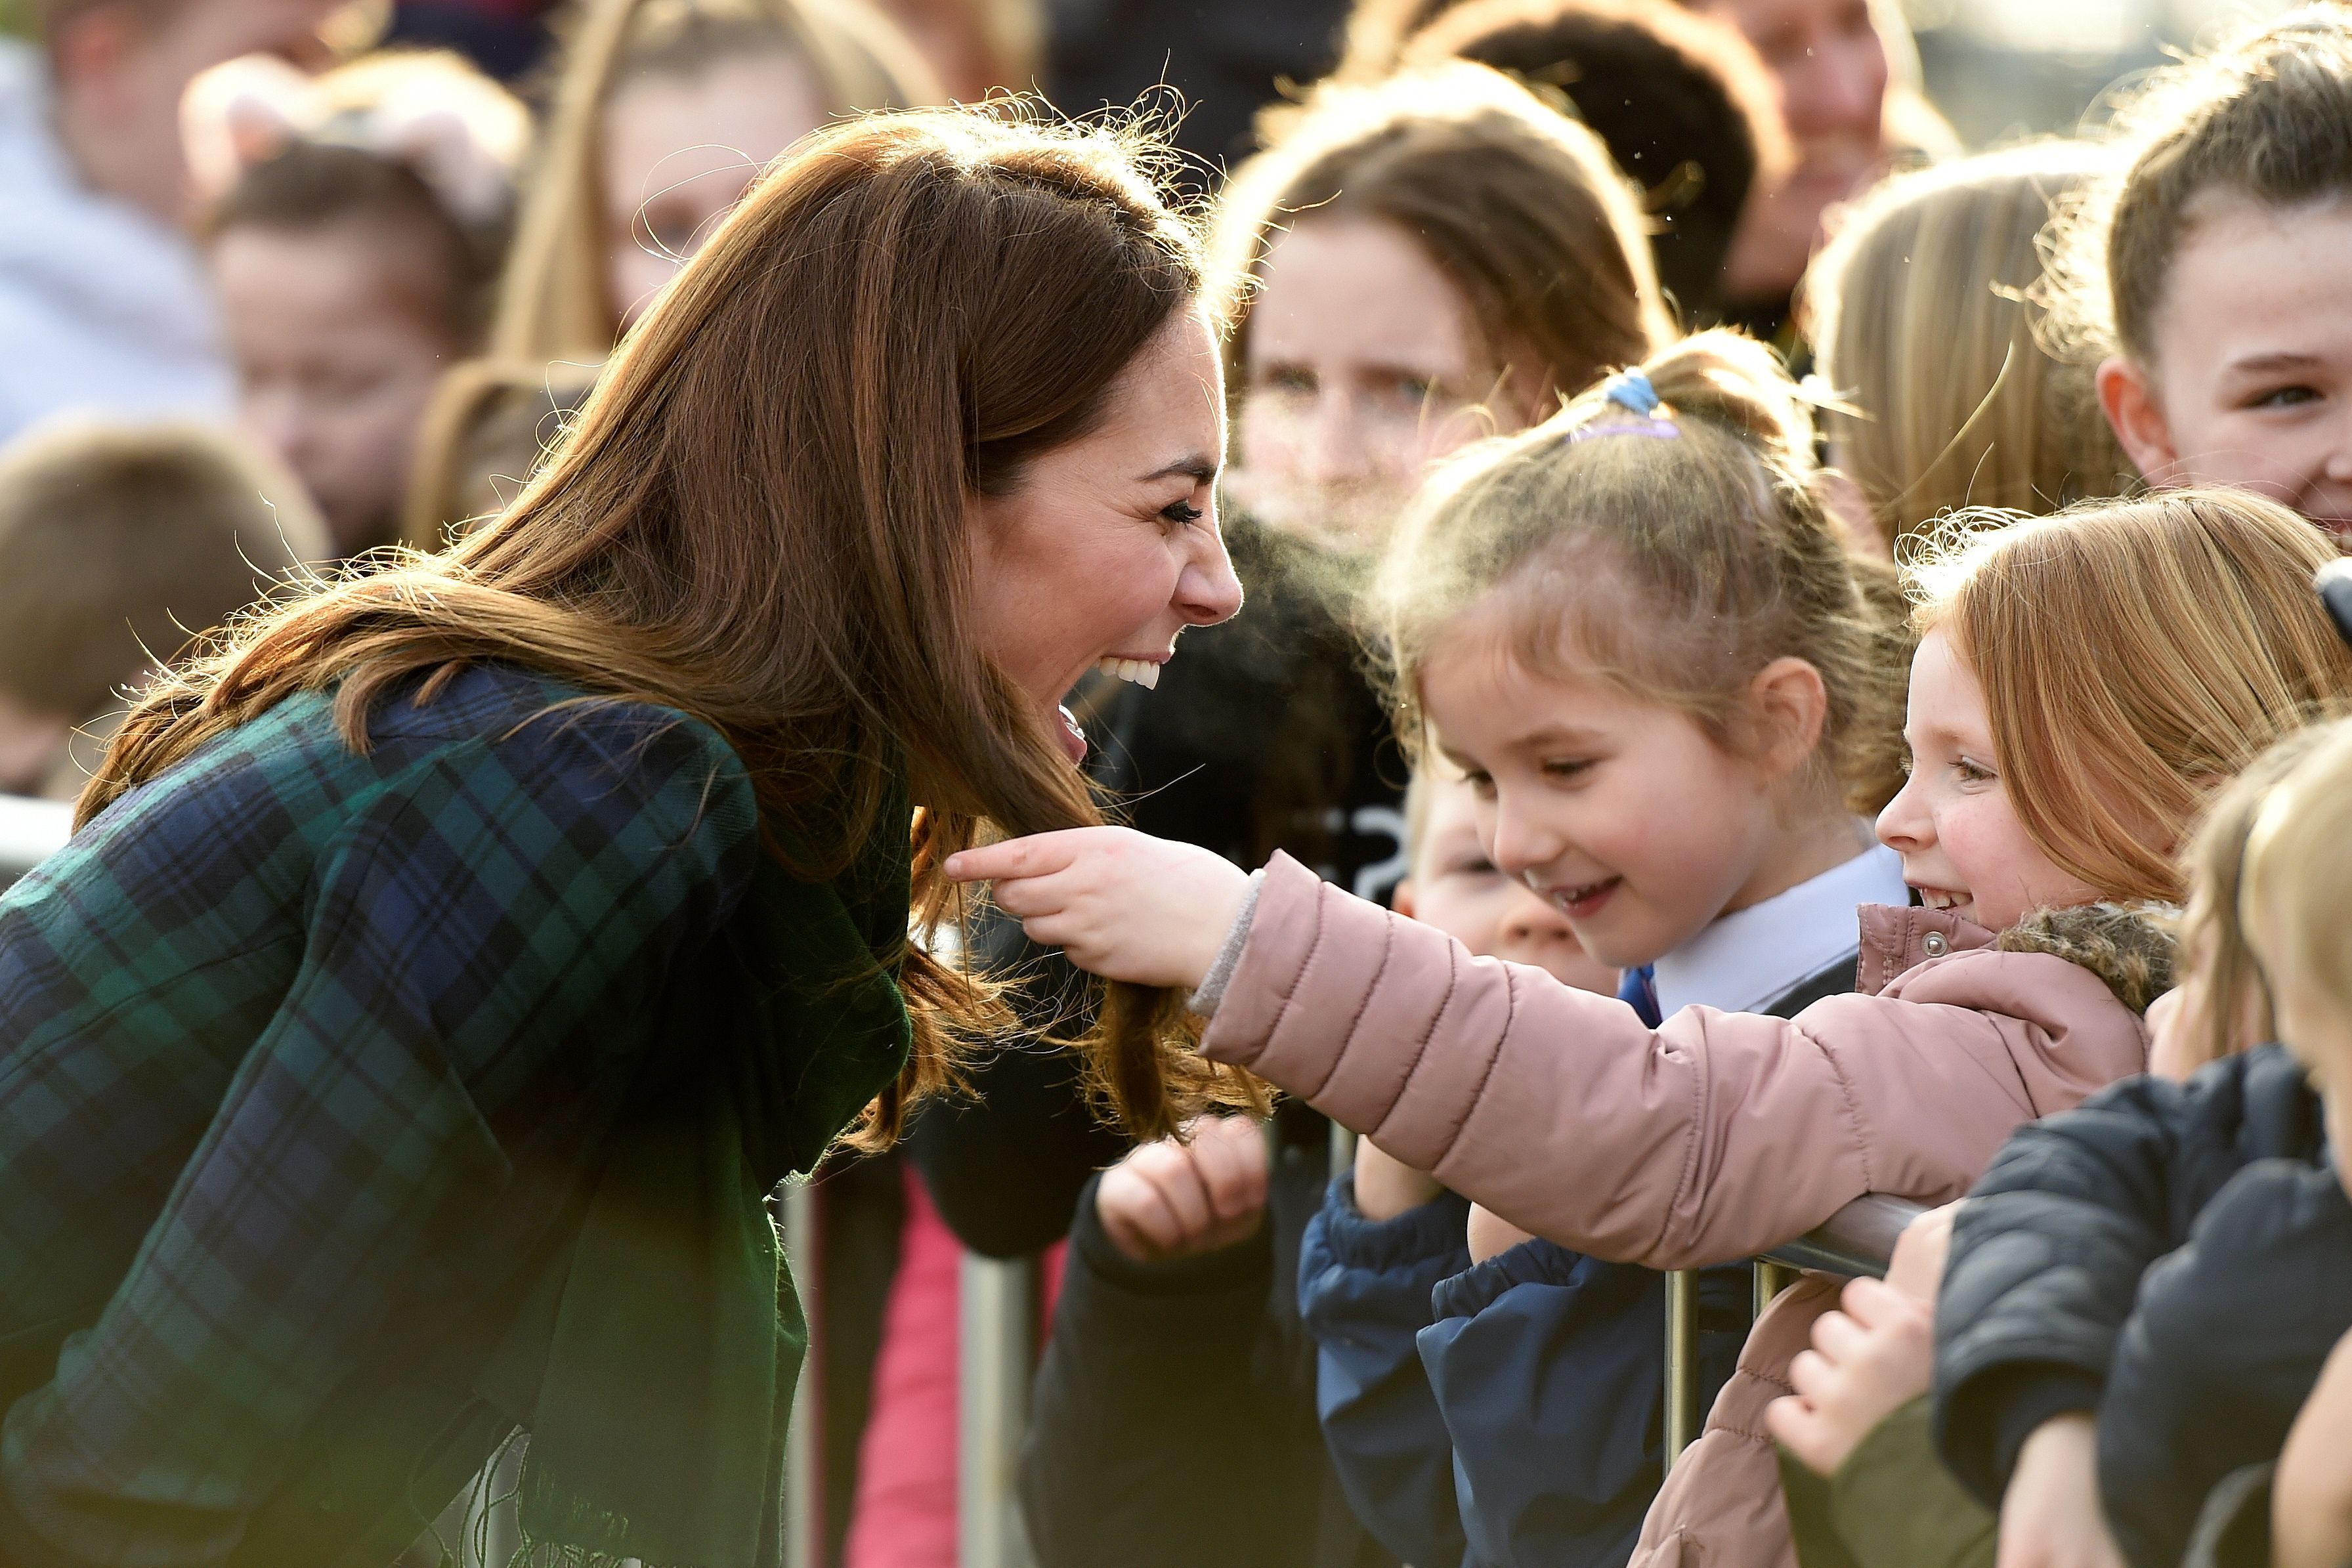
<point x="1857" y="1240"/>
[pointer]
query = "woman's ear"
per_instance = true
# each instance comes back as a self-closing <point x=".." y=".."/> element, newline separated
<point x="1791" y="705"/>
<point x="2128" y="398"/>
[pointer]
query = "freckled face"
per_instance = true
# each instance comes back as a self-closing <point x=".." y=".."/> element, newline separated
<point x="1954" y="824"/>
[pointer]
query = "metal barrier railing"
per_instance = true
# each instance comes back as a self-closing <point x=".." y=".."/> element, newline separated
<point x="1857" y="1240"/>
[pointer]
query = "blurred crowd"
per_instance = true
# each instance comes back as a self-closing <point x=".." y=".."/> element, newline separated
<point x="292" y="286"/>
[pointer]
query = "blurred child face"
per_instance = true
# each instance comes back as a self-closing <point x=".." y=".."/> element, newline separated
<point x="2251" y="383"/>
<point x="1626" y="815"/>
<point x="1954" y="824"/>
<point x="680" y="151"/>
<point x="1362" y="368"/>
<point x="1831" y="65"/>
<point x="335" y="365"/>
<point x="1457" y="888"/>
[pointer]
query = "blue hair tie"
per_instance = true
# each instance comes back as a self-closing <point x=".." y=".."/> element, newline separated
<point x="1631" y="389"/>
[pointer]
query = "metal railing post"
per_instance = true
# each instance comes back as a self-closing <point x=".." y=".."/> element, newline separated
<point x="999" y="1309"/>
<point x="805" y="1534"/>
<point x="1681" y="1362"/>
<point x="1771" y="1279"/>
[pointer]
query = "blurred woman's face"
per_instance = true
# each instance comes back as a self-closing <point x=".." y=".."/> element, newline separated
<point x="680" y="151"/>
<point x="1362" y="367"/>
<point x="1831" y="64"/>
<point x="334" y="364"/>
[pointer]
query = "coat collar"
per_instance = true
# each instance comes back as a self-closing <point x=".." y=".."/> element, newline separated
<point x="1896" y="937"/>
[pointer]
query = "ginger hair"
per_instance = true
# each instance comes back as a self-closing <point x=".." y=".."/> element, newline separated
<point x="2133" y="656"/>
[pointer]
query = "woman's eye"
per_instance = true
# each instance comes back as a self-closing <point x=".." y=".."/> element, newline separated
<point x="1286" y="379"/>
<point x="1183" y="513"/>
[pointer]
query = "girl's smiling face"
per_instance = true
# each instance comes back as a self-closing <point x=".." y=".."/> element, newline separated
<point x="2252" y="379"/>
<point x="1625" y="814"/>
<point x="1962" y="844"/>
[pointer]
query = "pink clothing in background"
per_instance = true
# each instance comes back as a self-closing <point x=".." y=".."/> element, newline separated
<point x="905" y="1515"/>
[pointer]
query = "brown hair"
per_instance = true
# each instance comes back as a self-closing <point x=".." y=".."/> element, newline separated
<point x="120" y="543"/>
<point x="2134" y="655"/>
<point x="553" y="302"/>
<point x="1923" y="328"/>
<point x="1520" y="207"/>
<point x="1685" y="106"/>
<point x="2266" y="116"/>
<point x="441" y="269"/>
<point x="1675" y="555"/>
<point x="934" y="299"/>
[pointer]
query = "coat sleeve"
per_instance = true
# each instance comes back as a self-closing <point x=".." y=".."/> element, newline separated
<point x="1161" y="1430"/>
<point x="1547" y="1368"/>
<point x="1714" y="1137"/>
<point x="1363" y="1294"/>
<point x="2222" y="1349"/>
<point x="469" y="921"/>
<point x="2048" y="1254"/>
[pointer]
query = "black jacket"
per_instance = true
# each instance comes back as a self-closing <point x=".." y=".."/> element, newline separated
<point x="1173" y="1416"/>
<point x="2176" y="1257"/>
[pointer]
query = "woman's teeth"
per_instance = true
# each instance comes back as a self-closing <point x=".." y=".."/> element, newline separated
<point x="1142" y="672"/>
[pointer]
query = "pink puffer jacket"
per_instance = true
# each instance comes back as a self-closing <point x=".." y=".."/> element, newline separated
<point x="1713" y="1137"/>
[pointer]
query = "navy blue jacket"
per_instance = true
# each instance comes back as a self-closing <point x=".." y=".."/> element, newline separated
<point x="2176" y="1257"/>
<point x="1500" y="1414"/>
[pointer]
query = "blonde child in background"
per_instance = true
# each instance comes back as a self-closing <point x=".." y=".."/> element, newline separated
<point x="1924" y="337"/>
<point x="2081" y="683"/>
<point x="665" y="112"/>
<point x="2204" y="276"/>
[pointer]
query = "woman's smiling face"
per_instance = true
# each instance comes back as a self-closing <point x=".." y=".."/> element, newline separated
<point x="1962" y="843"/>
<point x="1109" y="546"/>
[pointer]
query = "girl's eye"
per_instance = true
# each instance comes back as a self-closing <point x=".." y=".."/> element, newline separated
<point x="2285" y="397"/>
<point x="1568" y="768"/>
<point x="1481" y="784"/>
<point x="1183" y="513"/>
<point x="1971" y="773"/>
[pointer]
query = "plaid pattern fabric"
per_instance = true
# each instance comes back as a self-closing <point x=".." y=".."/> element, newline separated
<point x="294" y="1044"/>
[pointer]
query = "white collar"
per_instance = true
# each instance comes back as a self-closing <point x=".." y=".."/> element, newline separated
<point x="1744" y="961"/>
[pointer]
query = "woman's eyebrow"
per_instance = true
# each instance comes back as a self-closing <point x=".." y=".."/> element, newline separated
<point x="1199" y="469"/>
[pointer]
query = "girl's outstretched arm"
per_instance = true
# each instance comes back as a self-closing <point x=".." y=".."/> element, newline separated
<point x="1713" y="1137"/>
<point x="1122" y="904"/>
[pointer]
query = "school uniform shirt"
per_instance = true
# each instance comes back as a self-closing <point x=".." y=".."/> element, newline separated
<point x="104" y="309"/>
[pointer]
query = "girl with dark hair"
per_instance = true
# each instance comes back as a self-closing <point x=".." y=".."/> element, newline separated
<point x="447" y="968"/>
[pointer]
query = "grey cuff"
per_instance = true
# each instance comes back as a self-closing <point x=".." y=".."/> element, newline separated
<point x="1211" y="989"/>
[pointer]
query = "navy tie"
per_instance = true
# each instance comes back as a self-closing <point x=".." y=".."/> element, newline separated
<point x="1638" y="987"/>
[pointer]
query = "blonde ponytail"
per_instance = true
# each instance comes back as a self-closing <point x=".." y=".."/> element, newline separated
<point x="1661" y="532"/>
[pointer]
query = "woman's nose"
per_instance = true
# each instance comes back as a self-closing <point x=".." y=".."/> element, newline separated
<point x="1207" y="591"/>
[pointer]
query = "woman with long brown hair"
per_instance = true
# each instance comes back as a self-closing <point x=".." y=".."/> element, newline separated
<point x="448" y="966"/>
